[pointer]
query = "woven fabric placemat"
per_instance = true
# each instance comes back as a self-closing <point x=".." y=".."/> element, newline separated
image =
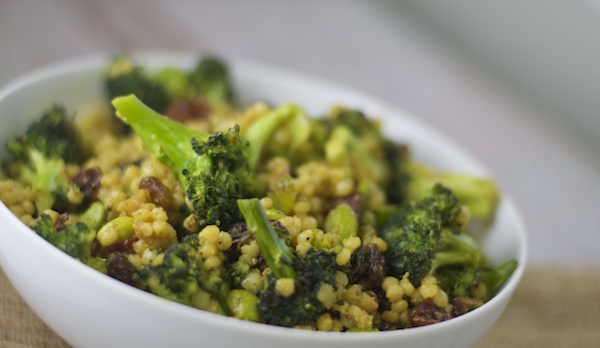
<point x="550" y="308"/>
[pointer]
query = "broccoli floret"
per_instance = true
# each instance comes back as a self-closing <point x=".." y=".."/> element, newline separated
<point x="398" y="159"/>
<point x="237" y="272"/>
<point x="425" y="238"/>
<point x="345" y="150"/>
<point x="38" y="157"/>
<point x="416" y="232"/>
<point x="211" y="81"/>
<point x="124" y="77"/>
<point x="480" y="283"/>
<point x="454" y="248"/>
<point x="213" y="169"/>
<point x="54" y="135"/>
<point x="216" y="170"/>
<point x="182" y="275"/>
<point x="172" y="91"/>
<point x="288" y="118"/>
<point x="309" y="272"/>
<point x="480" y="195"/>
<point x="315" y="268"/>
<point x="74" y="239"/>
<point x="356" y="144"/>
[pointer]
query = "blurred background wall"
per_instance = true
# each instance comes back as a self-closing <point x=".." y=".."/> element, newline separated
<point x="545" y="51"/>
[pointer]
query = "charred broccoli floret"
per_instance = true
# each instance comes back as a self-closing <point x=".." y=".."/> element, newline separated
<point x="213" y="169"/>
<point x="38" y="157"/>
<point x="237" y="272"/>
<point x="74" y="239"/>
<point x="54" y="135"/>
<point x="182" y="275"/>
<point x="124" y="77"/>
<point x="211" y="81"/>
<point x="314" y="269"/>
<point x="308" y="273"/>
<point x="424" y="238"/>
<point x="480" y="283"/>
<point x="416" y="232"/>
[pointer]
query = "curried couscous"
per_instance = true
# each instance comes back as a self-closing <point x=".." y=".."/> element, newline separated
<point x="260" y="212"/>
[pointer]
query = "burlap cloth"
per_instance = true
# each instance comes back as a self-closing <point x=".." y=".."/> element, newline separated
<point x="549" y="309"/>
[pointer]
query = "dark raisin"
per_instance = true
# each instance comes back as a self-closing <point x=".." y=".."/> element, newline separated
<point x="160" y="194"/>
<point x="462" y="305"/>
<point x="119" y="267"/>
<point x="123" y="246"/>
<point x="426" y="313"/>
<point x="368" y="262"/>
<point x="61" y="222"/>
<point x="88" y="181"/>
<point x="188" y="110"/>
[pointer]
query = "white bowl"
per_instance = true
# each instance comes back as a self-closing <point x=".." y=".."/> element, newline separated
<point x="89" y="309"/>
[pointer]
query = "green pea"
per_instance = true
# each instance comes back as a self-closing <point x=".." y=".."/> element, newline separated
<point x="94" y="216"/>
<point x="115" y="230"/>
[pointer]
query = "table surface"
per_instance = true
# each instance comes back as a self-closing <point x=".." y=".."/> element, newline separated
<point x="373" y="46"/>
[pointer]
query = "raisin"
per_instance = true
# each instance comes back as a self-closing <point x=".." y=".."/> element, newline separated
<point x="426" y="313"/>
<point x="119" y="267"/>
<point x="160" y="194"/>
<point x="88" y="181"/>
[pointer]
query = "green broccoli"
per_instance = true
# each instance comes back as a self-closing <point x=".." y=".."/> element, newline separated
<point x="216" y="170"/>
<point x="237" y="272"/>
<point x="424" y="238"/>
<point x="480" y="195"/>
<point x="315" y="268"/>
<point x="182" y="275"/>
<point x="454" y="248"/>
<point x="290" y="118"/>
<point x="309" y="272"/>
<point x="211" y="81"/>
<point x="74" y="239"/>
<point x="38" y="157"/>
<point x="342" y="221"/>
<point x="480" y="283"/>
<point x="357" y="145"/>
<point x="124" y="77"/>
<point x="417" y="232"/>
<point x="361" y="147"/>
<point x="212" y="168"/>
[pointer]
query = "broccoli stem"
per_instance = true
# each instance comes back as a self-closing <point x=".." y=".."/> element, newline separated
<point x="342" y="221"/>
<point x="259" y="133"/>
<point x="168" y="140"/>
<point x="277" y="254"/>
<point x="496" y="277"/>
<point x="94" y="216"/>
<point x="457" y="249"/>
<point x="344" y="148"/>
